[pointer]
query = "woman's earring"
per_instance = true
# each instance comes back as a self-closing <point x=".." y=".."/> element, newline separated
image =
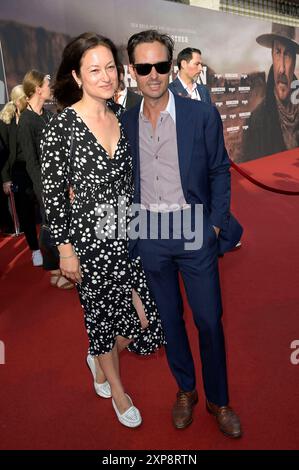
<point x="80" y="85"/>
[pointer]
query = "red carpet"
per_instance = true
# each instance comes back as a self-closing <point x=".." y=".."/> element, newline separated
<point x="46" y="395"/>
<point x="280" y="171"/>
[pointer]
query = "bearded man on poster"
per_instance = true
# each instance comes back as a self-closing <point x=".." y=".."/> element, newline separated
<point x="274" y="125"/>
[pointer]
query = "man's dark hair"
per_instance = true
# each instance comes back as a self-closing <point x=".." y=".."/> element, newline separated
<point x="120" y="69"/>
<point x="121" y="75"/>
<point x="148" y="36"/>
<point x="186" y="54"/>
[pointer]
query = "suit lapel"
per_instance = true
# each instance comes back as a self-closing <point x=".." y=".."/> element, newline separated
<point x="200" y="92"/>
<point x="185" y="128"/>
<point x="134" y="143"/>
<point x="179" y="88"/>
<point x="185" y="133"/>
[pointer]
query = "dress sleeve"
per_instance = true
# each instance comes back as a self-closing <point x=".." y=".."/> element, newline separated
<point x="56" y="143"/>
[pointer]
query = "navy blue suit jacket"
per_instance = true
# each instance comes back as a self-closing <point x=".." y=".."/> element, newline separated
<point x="177" y="89"/>
<point x="203" y="162"/>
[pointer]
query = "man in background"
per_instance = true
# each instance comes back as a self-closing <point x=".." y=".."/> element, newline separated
<point x="123" y="95"/>
<point x="189" y="62"/>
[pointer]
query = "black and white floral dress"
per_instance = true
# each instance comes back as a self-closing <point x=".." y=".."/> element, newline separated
<point x="94" y="225"/>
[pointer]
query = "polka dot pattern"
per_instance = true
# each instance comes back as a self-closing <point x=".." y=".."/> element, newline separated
<point x="108" y="275"/>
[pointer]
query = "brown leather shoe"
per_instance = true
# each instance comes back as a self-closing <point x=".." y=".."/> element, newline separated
<point x="228" y="421"/>
<point x="183" y="408"/>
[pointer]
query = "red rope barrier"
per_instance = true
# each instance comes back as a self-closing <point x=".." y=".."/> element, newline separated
<point x="262" y="185"/>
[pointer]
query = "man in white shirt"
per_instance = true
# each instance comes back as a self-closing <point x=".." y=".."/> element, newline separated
<point x="189" y="62"/>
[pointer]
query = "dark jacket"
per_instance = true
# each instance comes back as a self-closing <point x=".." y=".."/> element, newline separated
<point x="13" y="151"/>
<point x="177" y="88"/>
<point x="132" y="99"/>
<point x="203" y="162"/>
<point x="30" y="129"/>
<point x="4" y="145"/>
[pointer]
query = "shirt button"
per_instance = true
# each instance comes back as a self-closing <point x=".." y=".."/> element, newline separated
<point x="156" y="157"/>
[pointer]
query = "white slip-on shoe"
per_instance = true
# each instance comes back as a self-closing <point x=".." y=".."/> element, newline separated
<point x="103" y="390"/>
<point x="130" y="418"/>
<point x="37" y="258"/>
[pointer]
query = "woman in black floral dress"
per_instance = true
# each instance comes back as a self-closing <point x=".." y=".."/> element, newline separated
<point x="85" y="145"/>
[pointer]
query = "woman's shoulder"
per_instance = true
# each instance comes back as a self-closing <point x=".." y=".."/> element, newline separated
<point x="63" y="118"/>
<point x="60" y="125"/>
<point x="30" y="119"/>
<point x="116" y="108"/>
<point x="26" y="116"/>
<point x="3" y="127"/>
<point x="27" y="122"/>
<point x="4" y="131"/>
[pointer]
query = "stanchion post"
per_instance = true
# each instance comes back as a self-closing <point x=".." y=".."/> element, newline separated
<point x="14" y="213"/>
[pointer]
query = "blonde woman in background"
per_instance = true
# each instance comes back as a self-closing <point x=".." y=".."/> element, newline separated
<point x="31" y="126"/>
<point x="14" y="174"/>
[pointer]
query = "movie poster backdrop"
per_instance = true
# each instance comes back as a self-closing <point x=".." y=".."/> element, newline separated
<point x="33" y="34"/>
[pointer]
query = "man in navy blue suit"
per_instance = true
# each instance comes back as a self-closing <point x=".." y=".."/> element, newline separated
<point x="185" y="84"/>
<point x="180" y="163"/>
<point x="189" y="62"/>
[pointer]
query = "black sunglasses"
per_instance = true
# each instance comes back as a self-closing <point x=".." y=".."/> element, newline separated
<point x="145" y="69"/>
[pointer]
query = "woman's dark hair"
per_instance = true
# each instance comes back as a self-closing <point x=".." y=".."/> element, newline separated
<point x="150" y="35"/>
<point x="66" y="90"/>
<point x="120" y="70"/>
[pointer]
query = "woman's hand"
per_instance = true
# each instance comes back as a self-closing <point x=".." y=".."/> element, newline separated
<point x="7" y="187"/>
<point x="70" y="268"/>
<point x="217" y="230"/>
<point x="71" y="195"/>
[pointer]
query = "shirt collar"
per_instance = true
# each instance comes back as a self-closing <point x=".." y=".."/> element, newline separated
<point x="122" y="97"/>
<point x="194" y="84"/>
<point x="123" y="92"/>
<point x="170" y="108"/>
